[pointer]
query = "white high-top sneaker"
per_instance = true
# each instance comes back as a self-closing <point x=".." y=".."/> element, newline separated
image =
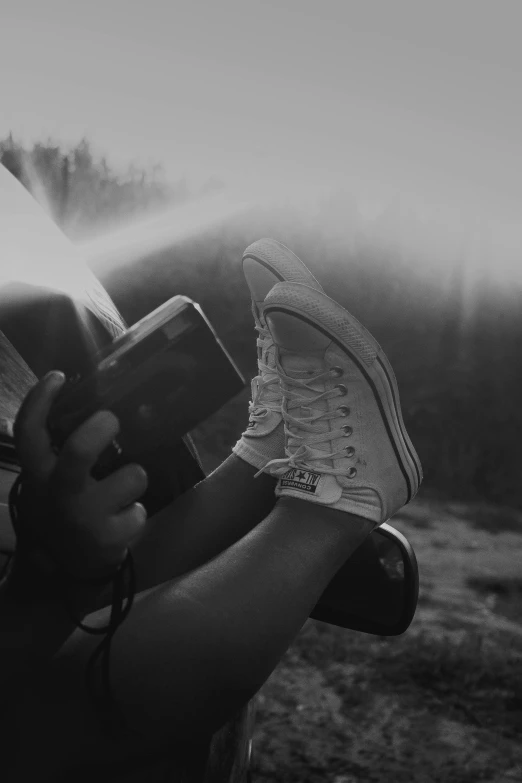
<point x="346" y="444"/>
<point x="265" y="263"/>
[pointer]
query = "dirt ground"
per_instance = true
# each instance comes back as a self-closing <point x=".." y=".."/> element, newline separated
<point x="440" y="704"/>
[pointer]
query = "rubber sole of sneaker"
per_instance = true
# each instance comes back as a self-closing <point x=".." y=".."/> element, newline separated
<point x="336" y="323"/>
<point x="281" y="262"/>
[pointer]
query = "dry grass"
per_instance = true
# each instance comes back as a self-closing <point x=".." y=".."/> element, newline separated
<point x="442" y="703"/>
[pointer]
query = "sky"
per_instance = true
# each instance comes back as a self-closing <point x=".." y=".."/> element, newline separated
<point x="407" y="99"/>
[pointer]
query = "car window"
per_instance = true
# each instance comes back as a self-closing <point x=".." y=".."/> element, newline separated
<point x="16" y="381"/>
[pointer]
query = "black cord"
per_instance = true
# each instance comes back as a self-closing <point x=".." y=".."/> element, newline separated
<point x="100" y="688"/>
<point x="123" y="591"/>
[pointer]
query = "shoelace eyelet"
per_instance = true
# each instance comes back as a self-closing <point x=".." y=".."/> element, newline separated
<point x="343" y="410"/>
<point x="347" y="429"/>
<point x="351" y="473"/>
<point x="342" y="388"/>
<point x="350" y="451"/>
<point x="336" y="372"/>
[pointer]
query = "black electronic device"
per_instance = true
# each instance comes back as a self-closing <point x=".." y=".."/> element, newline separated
<point x="161" y="378"/>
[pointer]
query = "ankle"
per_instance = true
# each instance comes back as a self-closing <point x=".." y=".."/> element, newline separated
<point x="258" y="449"/>
<point x="351" y="528"/>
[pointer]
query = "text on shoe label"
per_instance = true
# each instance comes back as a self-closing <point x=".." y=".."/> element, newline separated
<point x="304" y="480"/>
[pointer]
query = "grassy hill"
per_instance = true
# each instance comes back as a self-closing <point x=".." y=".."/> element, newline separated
<point x="441" y="703"/>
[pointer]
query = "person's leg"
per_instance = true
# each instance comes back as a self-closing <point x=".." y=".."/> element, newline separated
<point x="195" y="649"/>
<point x="202" y="522"/>
<point x="235" y="616"/>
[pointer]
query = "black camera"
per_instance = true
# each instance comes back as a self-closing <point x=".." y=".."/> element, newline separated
<point x="161" y="378"/>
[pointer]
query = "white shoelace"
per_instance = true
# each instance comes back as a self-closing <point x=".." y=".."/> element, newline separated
<point x="266" y="391"/>
<point x="303" y="432"/>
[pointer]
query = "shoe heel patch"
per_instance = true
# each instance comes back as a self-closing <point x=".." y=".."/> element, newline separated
<point x="303" y="480"/>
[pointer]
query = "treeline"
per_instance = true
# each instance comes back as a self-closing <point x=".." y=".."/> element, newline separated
<point x="81" y="191"/>
<point x="453" y="341"/>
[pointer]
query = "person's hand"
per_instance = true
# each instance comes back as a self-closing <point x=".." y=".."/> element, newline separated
<point x="84" y="525"/>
